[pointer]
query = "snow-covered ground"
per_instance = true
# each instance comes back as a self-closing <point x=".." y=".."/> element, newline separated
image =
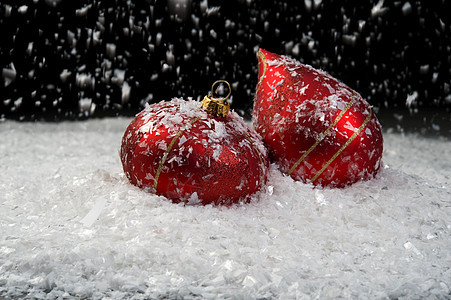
<point x="72" y="226"/>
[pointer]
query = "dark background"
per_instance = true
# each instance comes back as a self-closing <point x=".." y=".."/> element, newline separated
<point x="79" y="59"/>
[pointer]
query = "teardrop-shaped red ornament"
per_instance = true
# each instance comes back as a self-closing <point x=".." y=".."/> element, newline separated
<point x="317" y="129"/>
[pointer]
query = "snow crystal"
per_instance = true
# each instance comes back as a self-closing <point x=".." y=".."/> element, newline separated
<point x="217" y="150"/>
<point x="111" y="50"/>
<point x="193" y="199"/>
<point x="308" y="5"/>
<point x="86" y="106"/>
<point x="424" y="69"/>
<point x="9" y="75"/>
<point x="154" y="77"/>
<point x="317" y="3"/>
<point x="118" y="77"/>
<point x="219" y="131"/>
<point x="165" y="68"/>
<point x="23" y="9"/>
<point x="170" y="57"/>
<point x="18" y="102"/>
<point x="349" y="39"/>
<point x="82" y="80"/>
<point x="72" y="226"/>
<point x="94" y="213"/>
<point x="411" y="98"/>
<point x="406" y="8"/>
<point x="213" y="10"/>
<point x="159" y="38"/>
<point x="83" y="11"/>
<point x="125" y="92"/>
<point x="378" y="9"/>
<point x="182" y="140"/>
<point x="434" y="77"/>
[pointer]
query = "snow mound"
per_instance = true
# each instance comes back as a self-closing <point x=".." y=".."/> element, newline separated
<point x="72" y="226"/>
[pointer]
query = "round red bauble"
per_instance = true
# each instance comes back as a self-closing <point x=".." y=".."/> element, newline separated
<point x="179" y="151"/>
<point x="316" y="128"/>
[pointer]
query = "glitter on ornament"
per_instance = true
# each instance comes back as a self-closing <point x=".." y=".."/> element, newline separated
<point x="316" y="128"/>
<point x="196" y="153"/>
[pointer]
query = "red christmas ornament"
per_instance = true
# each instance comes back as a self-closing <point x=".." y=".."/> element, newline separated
<point x="194" y="155"/>
<point x="316" y="128"/>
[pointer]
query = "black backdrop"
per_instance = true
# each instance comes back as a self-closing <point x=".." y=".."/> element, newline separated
<point x="79" y="59"/>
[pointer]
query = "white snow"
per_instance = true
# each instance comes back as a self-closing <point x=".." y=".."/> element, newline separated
<point x="111" y="50"/>
<point x="23" y="9"/>
<point x="379" y="9"/>
<point x="411" y="98"/>
<point x="65" y="74"/>
<point x="9" y="75"/>
<point x="406" y="8"/>
<point x="126" y="88"/>
<point x="86" y="106"/>
<point x="72" y="226"/>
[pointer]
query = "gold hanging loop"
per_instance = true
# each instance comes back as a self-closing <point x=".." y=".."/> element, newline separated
<point x="216" y="106"/>
<point x="217" y="82"/>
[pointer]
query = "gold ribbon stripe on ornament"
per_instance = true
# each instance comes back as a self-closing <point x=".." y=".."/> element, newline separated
<point x="263" y="58"/>
<point x="169" y="148"/>
<point x="323" y="136"/>
<point x="262" y="163"/>
<point x="349" y="141"/>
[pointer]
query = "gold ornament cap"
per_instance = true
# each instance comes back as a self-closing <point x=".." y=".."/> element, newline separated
<point x="216" y="106"/>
